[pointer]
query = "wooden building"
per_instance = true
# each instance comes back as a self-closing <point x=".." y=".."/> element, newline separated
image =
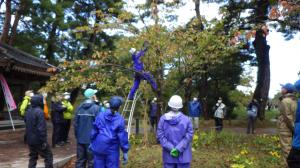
<point x="22" y="72"/>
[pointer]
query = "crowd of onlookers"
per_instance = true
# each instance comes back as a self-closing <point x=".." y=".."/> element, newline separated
<point x="100" y="129"/>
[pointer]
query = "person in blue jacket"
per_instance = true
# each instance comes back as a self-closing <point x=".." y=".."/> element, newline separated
<point x="36" y="133"/>
<point x="293" y="158"/>
<point x="108" y="136"/>
<point x="153" y="112"/>
<point x="140" y="74"/>
<point x="83" y="124"/>
<point x="194" y="108"/>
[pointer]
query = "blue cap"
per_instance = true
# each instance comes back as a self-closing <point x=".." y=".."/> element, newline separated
<point x="289" y="87"/>
<point x="115" y="102"/>
<point x="88" y="93"/>
<point x="297" y="85"/>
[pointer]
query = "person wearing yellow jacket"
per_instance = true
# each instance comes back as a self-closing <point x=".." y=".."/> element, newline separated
<point x="26" y="102"/>
<point x="68" y="115"/>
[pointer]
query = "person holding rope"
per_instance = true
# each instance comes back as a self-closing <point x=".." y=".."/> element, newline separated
<point x="140" y="73"/>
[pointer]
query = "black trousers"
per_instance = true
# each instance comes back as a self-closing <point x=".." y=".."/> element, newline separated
<point x="251" y="122"/>
<point x="66" y="130"/>
<point x="293" y="159"/>
<point x="84" y="156"/>
<point x="153" y="122"/>
<point x="35" y="151"/>
<point x="219" y="124"/>
<point x="57" y="133"/>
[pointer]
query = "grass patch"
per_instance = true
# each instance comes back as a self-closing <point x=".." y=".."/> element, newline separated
<point x="211" y="150"/>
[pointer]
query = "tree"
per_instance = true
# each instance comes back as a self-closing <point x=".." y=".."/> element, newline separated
<point x="208" y="62"/>
<point x="6" y="25"/>
<point x="18" y="9"/>
<point x="286" y="17"/>
<point x="256" y="20"/>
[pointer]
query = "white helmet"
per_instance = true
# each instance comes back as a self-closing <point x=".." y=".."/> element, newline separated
<point x="175" y="102"/>
<point x="132" y="50"/>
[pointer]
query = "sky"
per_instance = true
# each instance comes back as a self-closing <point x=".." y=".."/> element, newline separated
<point x="284" y="55"/>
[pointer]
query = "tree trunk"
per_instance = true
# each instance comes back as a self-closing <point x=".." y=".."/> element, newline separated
<point x="198" y="15"/>
<point x="202" y="94"/>
<point x="18" y="15"/>
<point x="187" y="93"/>
<point x="159" y="89"/>
<point x="88" y="51"/>
<point x="74" y="95"/>
<point x="263" y="75"/>
<point x="6" y="25"/>
<point x="14" y="28"/>
<point x="155" y="12"/>
<point x="51" y="43"/>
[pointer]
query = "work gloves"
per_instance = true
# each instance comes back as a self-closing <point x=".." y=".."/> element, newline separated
<point x="125" y="158"/>
<point x="174" y="152"/>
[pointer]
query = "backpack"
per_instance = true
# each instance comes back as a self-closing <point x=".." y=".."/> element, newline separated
<point x="252" y="111"/>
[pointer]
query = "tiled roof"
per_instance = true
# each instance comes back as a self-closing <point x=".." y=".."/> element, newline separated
<point x="22" y="61"/>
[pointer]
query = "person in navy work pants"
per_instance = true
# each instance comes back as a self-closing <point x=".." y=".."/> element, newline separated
<point x="140" y="74"/>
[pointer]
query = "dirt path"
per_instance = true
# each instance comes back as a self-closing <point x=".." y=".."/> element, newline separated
<point x="14" y="153"/>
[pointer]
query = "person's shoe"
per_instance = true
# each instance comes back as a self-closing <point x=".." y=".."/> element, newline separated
<point x="66" y="142"/>
<point x="60" y="144"/>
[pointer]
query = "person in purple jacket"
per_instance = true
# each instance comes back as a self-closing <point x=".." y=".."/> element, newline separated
<point x="140" y="74"/>
<point x="175" y="134"/>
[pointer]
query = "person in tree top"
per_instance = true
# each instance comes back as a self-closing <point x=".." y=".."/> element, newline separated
<point x="109" y="136"/>
<point x="26" y="102"/>
<point x="285" y="123"/>
<point x="293" y="158"/>
<point x="140" y="74"/>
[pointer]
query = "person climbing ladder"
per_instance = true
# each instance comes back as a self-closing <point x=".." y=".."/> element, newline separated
<point x="140" y="73"/>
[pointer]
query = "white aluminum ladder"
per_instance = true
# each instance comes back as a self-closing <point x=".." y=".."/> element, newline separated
<point x="129" y="106"/>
